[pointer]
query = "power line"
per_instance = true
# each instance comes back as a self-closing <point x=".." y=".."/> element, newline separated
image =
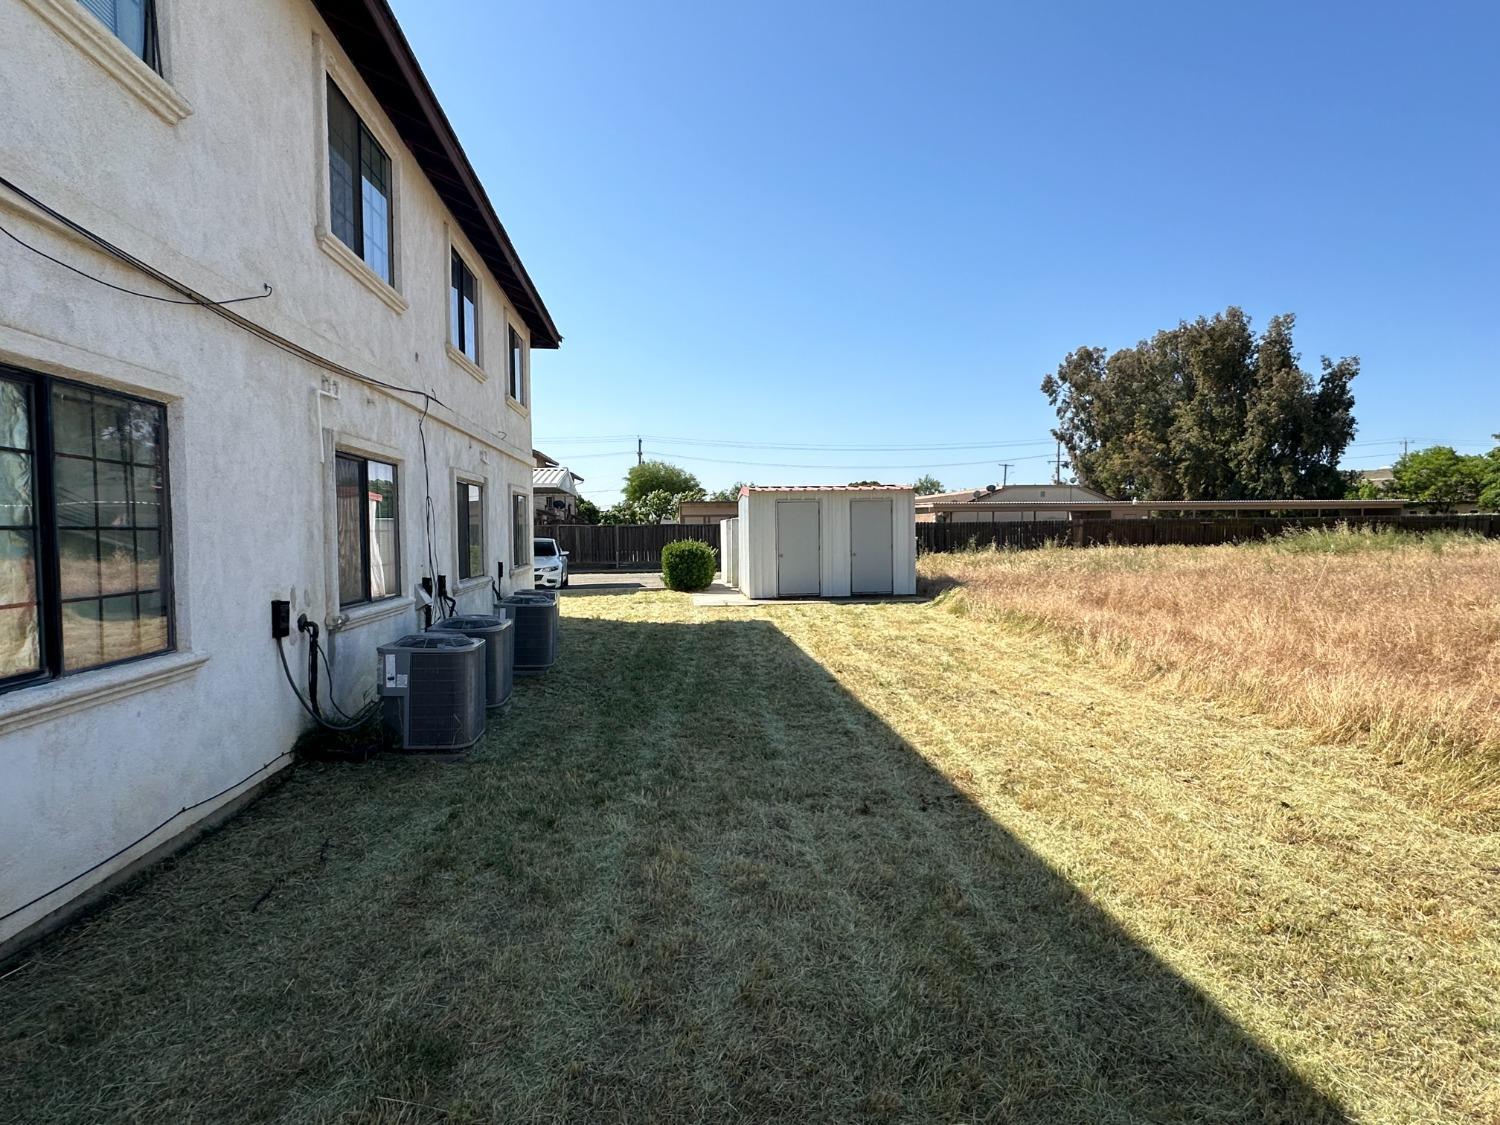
<point x="861" y="465"/>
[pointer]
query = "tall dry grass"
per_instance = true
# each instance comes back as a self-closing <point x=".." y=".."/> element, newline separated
<point x="1379" y="638"/>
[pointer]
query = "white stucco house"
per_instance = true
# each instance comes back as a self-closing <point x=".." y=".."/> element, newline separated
<point x="174" y="455"/>
<point x="988" y="504"/>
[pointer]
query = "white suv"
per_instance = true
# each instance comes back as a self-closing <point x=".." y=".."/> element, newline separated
<point x="549" y="565"/>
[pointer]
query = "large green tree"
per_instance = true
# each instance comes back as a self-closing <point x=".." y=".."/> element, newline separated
<point x="927" y="485"/>
<point x="1206" y="411"/>
<point x="659" y="476"/>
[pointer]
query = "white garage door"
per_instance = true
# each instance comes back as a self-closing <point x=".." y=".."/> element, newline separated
<point x="870" y="567"/>
<point x="797" y="548"/>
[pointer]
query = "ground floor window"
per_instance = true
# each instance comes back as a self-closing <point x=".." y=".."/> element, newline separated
<point x="85" y="567"/>
<point x="369" y="537"/>
<point x="520" y="529"/>
<point x="470" y="514"/>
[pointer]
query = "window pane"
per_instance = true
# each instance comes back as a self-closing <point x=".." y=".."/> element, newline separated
<point x="111" y="428"/>
<point x="73" y="480"/>
<point x="15" y="489"/>
<point x="117" y="562"/>
<point x="78" y="564"/>
<point x="145" y="434"/>
<point x="148" y="559"/>
<point x="120" y="633"/>
<point x="20" y="648"/>
<point x="471" y="339"/>
<point x="146" y="501"/>
<point x="130" y="24"/>
<point x="455" y="318"/>
<point x="476" y="531"/>
<point x="114" y="502"/>
<point x="15" y="416"/>
<point x="520" y="530"/>
<point x="375" y="189"/>
<point x="17" y="569"/>
<point x="82" y="644"/>
<point x="343" y="156"/>
<point x="384" y="572"/>
<point x="73" y="421"/>
<point x="153" y="621"/>
<point x="350" y="530"/>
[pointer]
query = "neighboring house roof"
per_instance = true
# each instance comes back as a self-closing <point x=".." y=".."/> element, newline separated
<point x="542" y="460"/>
<point x="824" y="488"/>
<point x="990" y="493"/>
<point x="1378" y="476"/>
<point x="559" y="479"/>
<point x="373" y="40"/>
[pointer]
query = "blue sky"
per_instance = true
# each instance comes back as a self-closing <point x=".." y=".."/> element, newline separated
<point x="846" y="224"/>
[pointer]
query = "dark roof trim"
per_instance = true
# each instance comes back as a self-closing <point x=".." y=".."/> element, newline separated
<point x="374" y="42"/>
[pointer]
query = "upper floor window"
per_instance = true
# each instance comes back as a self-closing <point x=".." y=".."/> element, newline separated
<point x="134" y="22"/>
<point x="359" y="187"/>
<point x="517" y="368"/>
<point x="463" y="309"/>
<point x="85" y="571"/>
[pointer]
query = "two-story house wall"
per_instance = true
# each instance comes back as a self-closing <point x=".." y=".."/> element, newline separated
<point x="352" y="415"/>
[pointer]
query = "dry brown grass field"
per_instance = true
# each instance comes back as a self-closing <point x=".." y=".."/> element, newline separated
<point x="1380" y="639"/>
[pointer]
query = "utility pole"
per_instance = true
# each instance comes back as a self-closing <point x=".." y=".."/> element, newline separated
<point x="1404" y="444"/>
<point x="1005" y="467"/>
<point x="1057" y="471"/>
<point x="638" y="457"/>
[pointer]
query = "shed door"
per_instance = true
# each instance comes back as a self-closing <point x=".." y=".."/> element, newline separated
<point x="870" y="547"/>
<point x="797" y="548"/>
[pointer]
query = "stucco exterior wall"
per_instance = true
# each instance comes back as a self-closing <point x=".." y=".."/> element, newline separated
<point x="229" y="198"/>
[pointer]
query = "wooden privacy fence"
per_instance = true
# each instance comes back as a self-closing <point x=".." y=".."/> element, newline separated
<point x="624" y="546"/>
<point x="935" y="537"/>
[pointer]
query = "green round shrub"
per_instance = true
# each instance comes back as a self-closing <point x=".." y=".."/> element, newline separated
<point x="688" y="565"/>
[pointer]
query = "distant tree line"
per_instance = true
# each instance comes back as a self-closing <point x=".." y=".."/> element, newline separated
<point x="1442" y="478"/>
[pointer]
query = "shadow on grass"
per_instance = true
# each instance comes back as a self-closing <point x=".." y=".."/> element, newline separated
<point x="690" y="878"/>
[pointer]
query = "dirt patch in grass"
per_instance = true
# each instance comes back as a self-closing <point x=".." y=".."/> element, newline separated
<point x="1380" y="639"/>
<point x="811" y="863"/>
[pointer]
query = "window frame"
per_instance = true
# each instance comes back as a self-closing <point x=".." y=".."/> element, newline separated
<point x="465" y="533"/>
<point x="150" y="52"/>
<point x="47" y="531"/>
<point x="366" y="597"/>
<point x="363" y="134"/>
<point x="468" y="348"/>
<point x="515" y="366"/>
<point x="522" y="528"/>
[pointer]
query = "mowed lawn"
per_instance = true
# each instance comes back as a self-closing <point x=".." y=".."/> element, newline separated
<point x="796" y="863"/>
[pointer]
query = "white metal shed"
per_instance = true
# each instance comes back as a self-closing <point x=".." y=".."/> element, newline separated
<point x="829" y="541"/>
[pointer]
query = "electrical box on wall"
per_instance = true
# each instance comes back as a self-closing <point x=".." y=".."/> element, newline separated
<point x="281" y="618"/>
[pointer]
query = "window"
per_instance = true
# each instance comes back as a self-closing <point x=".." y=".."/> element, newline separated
<point x="517" y="365"/>
<point x="84" y="562"/>
<point x="463" y="310"/>
<point x="134" y="24"/>
<point x="470" y="512"/>
<point x="520" y="528"/>
<point x="369" y="538"/>
<point x="359" y="186"/>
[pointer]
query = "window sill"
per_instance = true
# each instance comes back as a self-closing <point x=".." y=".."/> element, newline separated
<point x="467" y="584"/>
<point x="517" y="405"/>
<point x="28" y="706"/>
<point x="72" y="21"/>
<point x="362" y="272"/>
<point x="466" y="363"/>
<point x="358" y="615"/>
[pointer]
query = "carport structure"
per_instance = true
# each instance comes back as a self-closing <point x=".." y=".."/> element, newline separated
<point x="830" y="541"/>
